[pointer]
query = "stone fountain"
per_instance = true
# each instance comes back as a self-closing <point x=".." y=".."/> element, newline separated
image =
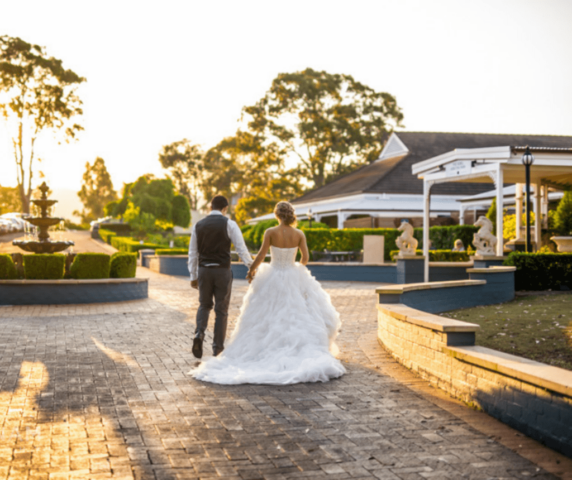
<point x="44" y="222"/>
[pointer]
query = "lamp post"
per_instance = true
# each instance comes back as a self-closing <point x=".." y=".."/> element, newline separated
<point x="310" y="218"/>
<point x="527" y="161"/>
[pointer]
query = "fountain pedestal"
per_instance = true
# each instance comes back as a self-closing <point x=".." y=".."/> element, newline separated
<point x="43" y="222"/>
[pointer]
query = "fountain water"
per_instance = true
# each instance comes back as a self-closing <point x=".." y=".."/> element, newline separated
<point x="43" y="222"/>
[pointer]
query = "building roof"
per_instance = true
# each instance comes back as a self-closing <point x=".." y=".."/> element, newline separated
<point x="393" y="174"/>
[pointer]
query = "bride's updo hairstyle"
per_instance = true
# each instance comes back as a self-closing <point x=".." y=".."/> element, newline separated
<point x="285" y="211"/>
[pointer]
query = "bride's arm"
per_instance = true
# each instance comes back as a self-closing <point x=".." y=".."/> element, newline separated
<point x="261" y="254"/>
<point x="304" y="249"/>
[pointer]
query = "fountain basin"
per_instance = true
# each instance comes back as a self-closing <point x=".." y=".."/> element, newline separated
<point x="47" y="246"/>
<point x="67" y="292"/>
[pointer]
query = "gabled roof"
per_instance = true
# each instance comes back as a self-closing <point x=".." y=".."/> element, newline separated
<point x="394" y="174"/>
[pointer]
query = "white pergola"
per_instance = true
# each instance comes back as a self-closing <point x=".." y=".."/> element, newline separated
<point x="552" y="168"/>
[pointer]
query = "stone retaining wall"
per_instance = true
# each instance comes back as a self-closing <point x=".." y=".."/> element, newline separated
<point x="66" y="292"/>
<point x="404" y="271"/>
<point x="532" y="397"/>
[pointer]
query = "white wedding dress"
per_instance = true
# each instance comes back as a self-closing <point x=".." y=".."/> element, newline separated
<point x="285" y="332"/>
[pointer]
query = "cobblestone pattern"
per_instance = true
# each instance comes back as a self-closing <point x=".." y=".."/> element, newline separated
<point x="99" y="391"/>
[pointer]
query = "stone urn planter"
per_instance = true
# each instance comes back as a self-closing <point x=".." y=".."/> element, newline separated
<point x="564" y="244"/>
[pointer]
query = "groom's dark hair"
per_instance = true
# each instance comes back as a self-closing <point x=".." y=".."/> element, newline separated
<point x="219" y="202"/>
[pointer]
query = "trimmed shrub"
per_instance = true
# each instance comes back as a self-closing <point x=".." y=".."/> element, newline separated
<point x="121" y="229"/>
<point x="106" y="235"/>
<point x="541" y="271"/>
<point x="182" y="241"/>
<point x="181" y="212"/>
<point x="128" y="244"/>
<point x="123" y="265"/>
<point x="438" y="255"/>
<point x="44" y="266"/>
<point x="7" y="267"/>
<point x="171" y="251"/>
<point x="90" y="266"/>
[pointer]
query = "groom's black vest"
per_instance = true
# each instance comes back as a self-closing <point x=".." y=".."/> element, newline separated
<point x="213" y="241"/>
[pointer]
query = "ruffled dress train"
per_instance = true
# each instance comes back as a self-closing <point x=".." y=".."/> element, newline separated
<point x="285" y="333"/>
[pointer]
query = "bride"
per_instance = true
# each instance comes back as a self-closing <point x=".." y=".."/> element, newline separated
<point x="287" y="325"/>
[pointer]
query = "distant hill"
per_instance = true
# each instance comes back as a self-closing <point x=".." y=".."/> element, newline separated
<point x="68" y="201"/>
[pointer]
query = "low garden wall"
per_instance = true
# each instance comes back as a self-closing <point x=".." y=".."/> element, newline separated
<point x="404" y="271"/>
<point x="531" y="397"/>
<point x="485" y="286"/>
<point x="66" y="292"/>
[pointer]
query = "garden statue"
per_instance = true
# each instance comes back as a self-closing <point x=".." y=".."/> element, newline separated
<point x="484" y="241"/>
<point x="406" y="242"/>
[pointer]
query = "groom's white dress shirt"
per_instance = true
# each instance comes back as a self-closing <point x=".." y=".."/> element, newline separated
<point x="235" y="237"/>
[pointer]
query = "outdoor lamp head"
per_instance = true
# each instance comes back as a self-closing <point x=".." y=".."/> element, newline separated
<point x="527" y="158"/>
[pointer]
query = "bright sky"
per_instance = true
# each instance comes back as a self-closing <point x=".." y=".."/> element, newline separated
<point x="161" y="71"/>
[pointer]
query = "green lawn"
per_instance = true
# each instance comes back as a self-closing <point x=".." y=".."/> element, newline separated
<point x="538" y="327"/>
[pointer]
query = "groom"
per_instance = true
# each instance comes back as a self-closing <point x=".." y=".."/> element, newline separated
<point x="209" y="266"/>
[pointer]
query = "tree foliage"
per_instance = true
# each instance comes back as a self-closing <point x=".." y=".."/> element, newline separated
<point x="184" y="161"/>
<point x="155" y="197"/>
<point x="309" y="127"/>
<point x="36" y="94"/>
<point x="96" y="191"/>
<point x="563" y="215"/>
<point x="492" y="214"/>
<point x="181" y="211"/>
<point x="327" y="122"/>
<point x="9" y="200"/>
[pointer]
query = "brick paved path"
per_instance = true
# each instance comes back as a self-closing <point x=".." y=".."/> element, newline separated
<point x="100" y="391"/>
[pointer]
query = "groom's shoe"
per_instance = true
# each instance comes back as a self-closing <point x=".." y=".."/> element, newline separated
<point x="217" y="352"/>
<point x="198" y="347"/>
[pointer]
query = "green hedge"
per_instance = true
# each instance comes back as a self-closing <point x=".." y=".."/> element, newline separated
<point x="130" y="245"/>
<point x="106" y="235"/>
<point x="541" y="271"/>
<point x="439" y="255"/>
<point x="351" y="239"/>
<point x="7" y="267"/>
<point x="90" y="266"/>
<point x="171" y="251"/>
<point x="120" y="229"/>
<point x="44" y="266"/>
<point x="123" y="265"/>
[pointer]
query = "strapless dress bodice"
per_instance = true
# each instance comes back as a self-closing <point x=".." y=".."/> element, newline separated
<point x="283" y="257"/>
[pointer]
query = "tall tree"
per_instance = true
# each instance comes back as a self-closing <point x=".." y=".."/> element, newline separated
<point x="96" y="190"/>
<point x="250" y="169"/>
<point x="184" y="161"/>
<point x="327" y="122"/>
<point x="36" y="94"/>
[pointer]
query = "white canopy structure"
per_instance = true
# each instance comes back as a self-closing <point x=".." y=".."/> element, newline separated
<point x="499" y="165"/>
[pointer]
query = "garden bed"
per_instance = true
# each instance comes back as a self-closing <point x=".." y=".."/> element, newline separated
<point x="537" y="327"/>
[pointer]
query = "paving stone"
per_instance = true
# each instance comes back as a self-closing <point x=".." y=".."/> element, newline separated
<point x="101" y="391"/>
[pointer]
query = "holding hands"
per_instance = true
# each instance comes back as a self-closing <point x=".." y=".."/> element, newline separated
<point x="250" y="275"/>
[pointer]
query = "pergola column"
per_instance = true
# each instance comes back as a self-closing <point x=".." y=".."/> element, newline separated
<point x="341" y="219"/>
<point x="518" y="209"/>
<point x="537" y="215"/>
<point x="426" y="224"/>
<point x="462" y="215"/>
<point x="500" y="211"/>
<point x="545" y="206"/>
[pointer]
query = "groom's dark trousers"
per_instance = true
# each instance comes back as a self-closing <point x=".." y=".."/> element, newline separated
<point x="214" y="283"/>
<point x="215" y="277"/>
